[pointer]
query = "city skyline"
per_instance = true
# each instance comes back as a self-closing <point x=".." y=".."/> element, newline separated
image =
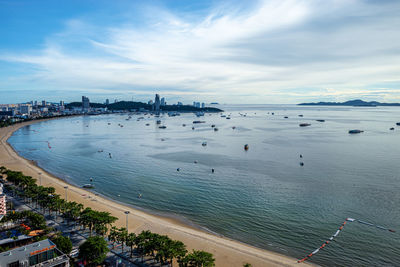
<point x="214" y="51"/>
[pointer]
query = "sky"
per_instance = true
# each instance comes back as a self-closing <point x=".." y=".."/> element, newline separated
<point x="228" y="51"/>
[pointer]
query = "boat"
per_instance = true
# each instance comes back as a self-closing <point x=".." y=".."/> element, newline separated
<point x="321" y="120"/>
<point x="213" y="125"/>
<point x="228" y="118"/>
<point x="198" y="121"/>
<point x="246" y="147"/>
<point x="398" y="124"/>
<point x="301" y="115"/>
<point x="158" y="122"/>
<point x="233" y="127"/>
<point x="355" y="131"/>
<point x="204" y="144"/>
<point x="304" y="124"/>
<point x="184" y="125"/>
<point x="223" y="116"/>
<point x="162" y="127"/>
<point x="215" y="129"/>
<point x="88" y="186"/>
<point x="192" y="128"/>
<point x="392" y="129"/>
<point x="147" y="124"/>
<point x="286" y="117"/>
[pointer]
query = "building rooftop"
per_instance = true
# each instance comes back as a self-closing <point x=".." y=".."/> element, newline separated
<point x="25" y="252"/>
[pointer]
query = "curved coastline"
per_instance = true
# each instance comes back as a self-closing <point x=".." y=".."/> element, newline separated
<point x="227" y="252"/>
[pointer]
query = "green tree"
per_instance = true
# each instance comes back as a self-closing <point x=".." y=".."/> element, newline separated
<point x="63" y="243"/>
<point x="198" y="258"/>
<point x="247" y="265"/>
<point x="94" y="250"/>
<point x="131" y="241"/>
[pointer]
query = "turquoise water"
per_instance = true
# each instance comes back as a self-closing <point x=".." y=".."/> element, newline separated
<point x="261" y="196"/>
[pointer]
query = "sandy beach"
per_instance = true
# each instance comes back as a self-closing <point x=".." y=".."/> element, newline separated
<point x="227" y="252"/>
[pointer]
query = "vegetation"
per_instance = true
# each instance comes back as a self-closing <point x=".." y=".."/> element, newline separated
<point x="159" y="248"/>
<point x="198" y="259"/>
<point x="94" y="250"/>
<point x="63" y="243"/>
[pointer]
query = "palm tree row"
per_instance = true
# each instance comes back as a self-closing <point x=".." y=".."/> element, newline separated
<point x="46" y="198"/>
<point x="159" y="247"/>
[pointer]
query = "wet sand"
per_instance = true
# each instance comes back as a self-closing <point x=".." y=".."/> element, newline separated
<point x="227" y="252"/>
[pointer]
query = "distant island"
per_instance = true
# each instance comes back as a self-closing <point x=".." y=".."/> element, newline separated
<point x="354" y="103"/>
<point x="131" y="105"/>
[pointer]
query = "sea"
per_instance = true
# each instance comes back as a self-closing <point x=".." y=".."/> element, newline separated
<point x="289" y="192"/>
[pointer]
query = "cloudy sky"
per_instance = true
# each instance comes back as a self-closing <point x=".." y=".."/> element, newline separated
<point x="285" y="51"/>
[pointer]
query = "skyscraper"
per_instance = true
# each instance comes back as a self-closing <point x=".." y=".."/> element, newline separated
<point x="157" y="104"/>
<point x="107" y="101"/>
<point x="85" y="103"/>
<point x="43" y="103"/>
<point x="163" y="101"/>
<point x="61" y="103"/>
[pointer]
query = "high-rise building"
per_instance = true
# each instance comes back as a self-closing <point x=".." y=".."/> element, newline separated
<point x="44" y="103"/>
<point x="157" y="104"/>
<point x="85" y="103"/>
<point x="203" y="105"/>
<point x="107" y="101"/>
<point x="163" y="101"/>
<point x="36" y="103"/>
<point x="61" y="103"/>
<point x="25" y="109"/>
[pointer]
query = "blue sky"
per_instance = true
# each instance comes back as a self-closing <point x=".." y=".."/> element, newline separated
<point x="264" y="51"/>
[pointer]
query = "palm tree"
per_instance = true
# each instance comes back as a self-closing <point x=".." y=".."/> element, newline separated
<point x="122" y="237"/>
<point x="112" y="236"/>
<point x="131" y="242"/>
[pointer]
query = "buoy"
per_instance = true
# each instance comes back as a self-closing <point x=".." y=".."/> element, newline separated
<point x="246" y="147"/>
<point x="301" y="156"/>
<point x="178" y="169"/>
<point x="195" y="161"/>
<point x="212" y="170"/>
<point x="301" y="163"/>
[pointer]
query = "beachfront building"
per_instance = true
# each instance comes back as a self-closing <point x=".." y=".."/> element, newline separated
<point x="3" y="206"/>
<point x="43" y="253"/>
<point x="25" y="109"/>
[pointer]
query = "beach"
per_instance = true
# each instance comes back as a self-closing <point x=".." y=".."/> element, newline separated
<point x="227" y="252"/>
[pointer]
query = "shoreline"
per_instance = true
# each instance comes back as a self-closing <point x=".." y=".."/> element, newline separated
<point x="227" y="252"/>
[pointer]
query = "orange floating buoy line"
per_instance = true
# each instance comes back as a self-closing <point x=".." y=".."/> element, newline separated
<point x="337" y="233"/>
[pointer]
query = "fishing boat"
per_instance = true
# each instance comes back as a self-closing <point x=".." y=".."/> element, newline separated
<point x="204" y="144"/>
<point x="304" y="124"/>
<point x="320" y="120"/>
<point x="162" y="127"/>
<point x="398" y="124"/>
<point x="89" y="186"/>
<point x="158" y="122"/>
<point x="198" y="121"/>
<point x="246" y="147"/>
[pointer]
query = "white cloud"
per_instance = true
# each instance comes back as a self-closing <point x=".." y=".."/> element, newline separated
<point x="271" y="52"/>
